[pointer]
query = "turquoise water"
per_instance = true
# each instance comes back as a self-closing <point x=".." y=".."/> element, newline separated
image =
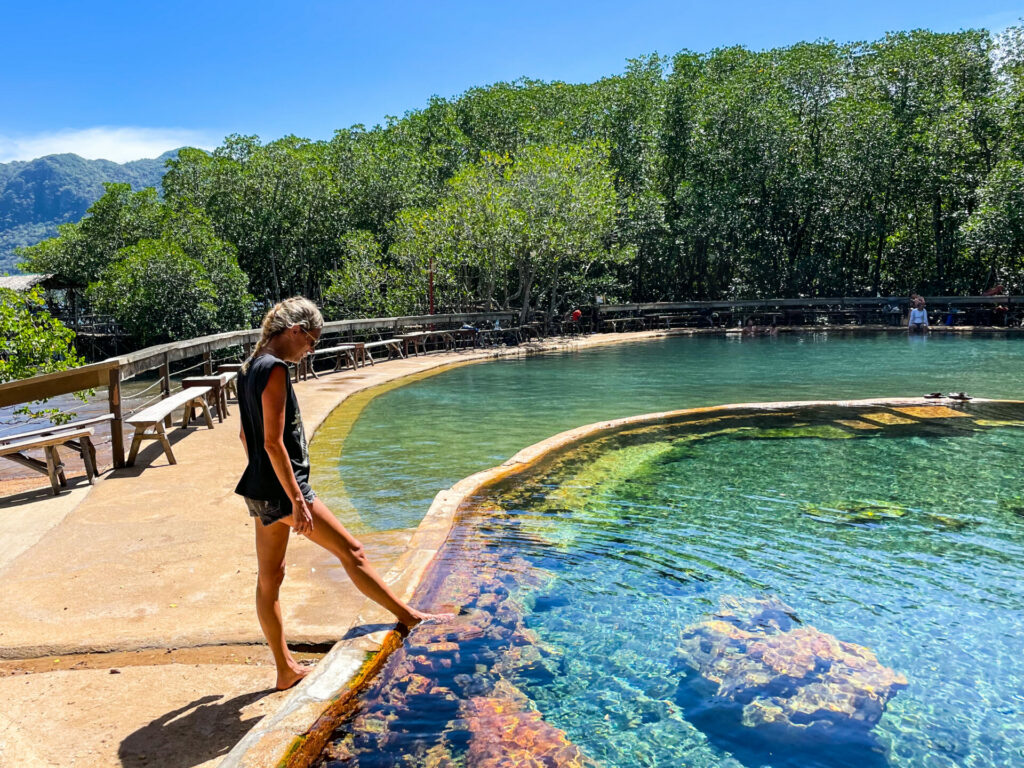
<point x="413" y="441"/>
<point x="578" y="580"/>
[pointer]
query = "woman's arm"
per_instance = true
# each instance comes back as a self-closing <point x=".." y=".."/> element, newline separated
<point x="273" y="444"/>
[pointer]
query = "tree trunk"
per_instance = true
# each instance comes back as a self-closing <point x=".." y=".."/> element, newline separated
<point x="524" y="312"/>
<point x="940" y="260"/>
<point x="553" y="300"/>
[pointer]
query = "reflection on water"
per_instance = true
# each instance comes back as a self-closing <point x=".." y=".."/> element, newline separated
<point x="899" y="531"/>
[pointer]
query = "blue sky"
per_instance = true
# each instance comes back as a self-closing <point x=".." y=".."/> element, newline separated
<point x="123" y="80"/>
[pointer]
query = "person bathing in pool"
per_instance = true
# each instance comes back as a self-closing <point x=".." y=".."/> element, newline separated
<point x="275" y="484"/>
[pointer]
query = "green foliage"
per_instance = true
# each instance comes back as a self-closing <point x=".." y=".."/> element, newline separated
<point x="816" y="169"/>
<point x="84" y="253"/>
<point x="34" y="342"/>
<point x="191" y="230"/>
<point x="365" y="285"/>
<point x="21" y="236"/>
<point x="80" y="252"/>
<point x="995" y="231"/>
<point x="532" y="228"/>
<point x="278" y="204"/>
<point x="157" y="293"/>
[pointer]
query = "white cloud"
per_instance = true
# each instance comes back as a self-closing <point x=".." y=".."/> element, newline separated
<point x="119" y="144"/>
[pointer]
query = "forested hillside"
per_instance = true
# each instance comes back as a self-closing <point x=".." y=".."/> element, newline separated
<point x="813" y="170"/>
<point x="37" y="195"/>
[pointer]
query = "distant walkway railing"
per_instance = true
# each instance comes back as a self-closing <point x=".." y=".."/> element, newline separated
<point x="1000" y="310"/>
<point x="183" y="356"/>
<point x="202" y="354"/>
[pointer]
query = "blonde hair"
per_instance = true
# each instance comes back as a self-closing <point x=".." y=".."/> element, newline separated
<point x="298" y="310"/>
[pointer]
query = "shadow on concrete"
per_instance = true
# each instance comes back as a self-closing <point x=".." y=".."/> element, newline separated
<point x="152" y="451"/>
<point x="41" y="493"/>
<point x="202" y="730"/>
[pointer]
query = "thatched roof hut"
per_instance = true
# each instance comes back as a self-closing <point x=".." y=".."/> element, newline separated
<point x="22" y="283"/>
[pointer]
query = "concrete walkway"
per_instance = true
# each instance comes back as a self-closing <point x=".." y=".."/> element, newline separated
<point x="161" y="557"/>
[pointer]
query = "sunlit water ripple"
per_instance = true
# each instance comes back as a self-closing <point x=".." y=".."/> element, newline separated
<point x="643" y="539"/>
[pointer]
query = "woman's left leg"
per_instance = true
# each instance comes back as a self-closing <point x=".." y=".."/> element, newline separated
<point x="271" y="546"/>
<point x="330" y="534"/>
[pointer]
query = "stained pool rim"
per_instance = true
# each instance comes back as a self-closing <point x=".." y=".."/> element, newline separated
<point x="297" y="732"/>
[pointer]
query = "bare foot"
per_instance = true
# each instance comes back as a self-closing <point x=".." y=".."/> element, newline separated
<point x="419" y="617"/>
<point x="291" y="677"/>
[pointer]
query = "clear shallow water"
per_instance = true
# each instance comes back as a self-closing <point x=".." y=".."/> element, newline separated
<point x="578" y="579"/>
<point x="413" y="441"/>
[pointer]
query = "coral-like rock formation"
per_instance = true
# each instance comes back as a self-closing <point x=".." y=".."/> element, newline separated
<point x="507" y="734"/>
<point x="446" y="697"/>
<point x="787" y="675"/>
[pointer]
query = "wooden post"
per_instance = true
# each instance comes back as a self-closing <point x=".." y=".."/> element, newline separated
<point x="116" y="425"/>
<point x="165" y="376"/>
<point x="208" y="363"/>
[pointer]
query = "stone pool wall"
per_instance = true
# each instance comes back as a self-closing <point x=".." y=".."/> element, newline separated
<point x="296" y="734"/>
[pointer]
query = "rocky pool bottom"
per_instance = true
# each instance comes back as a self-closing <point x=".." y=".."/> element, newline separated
<point x="806" y="587"/>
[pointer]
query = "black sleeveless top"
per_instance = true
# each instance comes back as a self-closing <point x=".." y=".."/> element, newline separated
<point x="259" y="481"/>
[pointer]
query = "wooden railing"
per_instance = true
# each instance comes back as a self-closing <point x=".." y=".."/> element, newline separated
<point x="840" y="301"/>
<point x="112" y="372"/>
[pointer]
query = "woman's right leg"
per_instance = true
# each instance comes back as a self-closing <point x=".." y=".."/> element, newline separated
<point x="271" y="546"/>
<point x="330" y="534"/>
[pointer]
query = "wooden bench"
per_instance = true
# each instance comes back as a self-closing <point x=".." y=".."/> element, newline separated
<point x="418" y="340"/>
<point x="218" y="384"/>
<point x="344" y="353"/>
<point x="465" y="337"/>
<point x="231" y="386"/>
<point x="447" y="339"/>
<point x="149" y="423"/>
<point x="391" y="345"/>
<point x="12" y="447"/>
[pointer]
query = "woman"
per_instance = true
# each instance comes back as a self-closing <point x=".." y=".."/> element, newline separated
<point x="275" y="483"/>
<point x="918" y="320"/>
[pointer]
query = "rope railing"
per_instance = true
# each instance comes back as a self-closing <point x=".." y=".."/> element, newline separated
<point x="144" y="405"/>
<point x="180" y="371"/>
<point x="157" y="383"/>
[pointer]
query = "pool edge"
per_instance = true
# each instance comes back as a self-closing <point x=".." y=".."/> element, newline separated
<point x="294" y="735"/>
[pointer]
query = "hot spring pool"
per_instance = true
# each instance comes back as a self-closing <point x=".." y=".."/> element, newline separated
<point x="382" y="470"/>
<point x="584" y="581"/>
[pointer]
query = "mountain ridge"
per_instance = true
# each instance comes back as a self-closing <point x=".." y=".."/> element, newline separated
<point x="36" y="195"/>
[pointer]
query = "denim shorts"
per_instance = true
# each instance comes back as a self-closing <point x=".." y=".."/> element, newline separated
<point x="271" y="511"/>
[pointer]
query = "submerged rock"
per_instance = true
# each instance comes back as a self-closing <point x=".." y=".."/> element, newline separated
<point x="783" y="674"/>
<point x="507" y="733"/>
<point x="1014" y="505"/>
<point x="854" y="512"/>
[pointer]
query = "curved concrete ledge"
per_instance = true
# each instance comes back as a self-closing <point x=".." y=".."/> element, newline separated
<point x="295" y="735"/>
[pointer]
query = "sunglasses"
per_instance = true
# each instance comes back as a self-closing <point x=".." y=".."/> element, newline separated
<point x="313" y="340"/>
